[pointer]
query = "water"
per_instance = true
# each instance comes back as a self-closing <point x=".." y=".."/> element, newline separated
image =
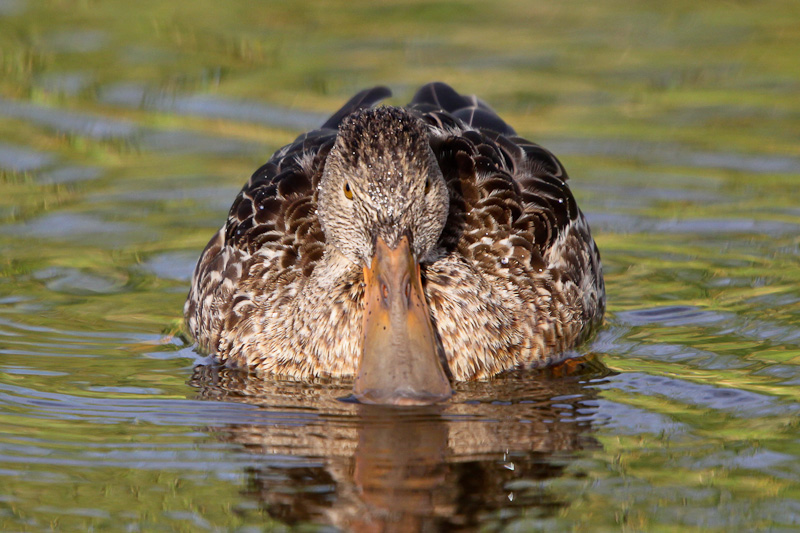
<point x="126" y="131"/>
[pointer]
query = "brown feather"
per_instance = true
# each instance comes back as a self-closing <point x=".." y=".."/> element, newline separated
<point x="516" y="279"/>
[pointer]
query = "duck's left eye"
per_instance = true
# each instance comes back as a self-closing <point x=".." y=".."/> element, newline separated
<point x="427" y="185"/>
<point x="348" y="192"/>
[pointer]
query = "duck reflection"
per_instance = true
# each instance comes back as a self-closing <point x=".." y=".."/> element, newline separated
<point x="398" y="466"/>
<point x="369" y="468"/>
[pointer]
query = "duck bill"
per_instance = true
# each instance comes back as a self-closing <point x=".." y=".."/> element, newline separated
<point x="400" y="361"/>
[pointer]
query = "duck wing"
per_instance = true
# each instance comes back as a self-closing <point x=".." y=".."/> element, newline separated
<point x="472" y="111"/>
<point x="272" y="220"/>
<point x="365" y="99"/>
<point x="511" y="210"/>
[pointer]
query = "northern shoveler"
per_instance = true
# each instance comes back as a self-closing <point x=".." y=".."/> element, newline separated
<point x="403" y="246"/>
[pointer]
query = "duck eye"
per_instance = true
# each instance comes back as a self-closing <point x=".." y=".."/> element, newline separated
<point x="348" y="192"/>
<point x="427" y="185"/>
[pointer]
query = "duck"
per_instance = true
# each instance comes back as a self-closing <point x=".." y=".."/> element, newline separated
<point x="404" y="248"/>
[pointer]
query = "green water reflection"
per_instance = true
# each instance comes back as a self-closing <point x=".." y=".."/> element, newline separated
<point x="126" y="129"/>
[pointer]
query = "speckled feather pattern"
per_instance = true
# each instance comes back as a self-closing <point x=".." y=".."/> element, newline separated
<point x="514" y="279"/>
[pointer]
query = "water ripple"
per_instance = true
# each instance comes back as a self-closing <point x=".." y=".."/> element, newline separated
<point x="75" y="123"/>
<point x="736" y="402"/>
<point x="23" y="159"/>
<point x="205" y="105"/>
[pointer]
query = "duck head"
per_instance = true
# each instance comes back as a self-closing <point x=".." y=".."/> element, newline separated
<point x="383" y="204"/>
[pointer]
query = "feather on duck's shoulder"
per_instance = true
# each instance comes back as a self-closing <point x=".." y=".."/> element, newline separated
<point x="512" y="210"/>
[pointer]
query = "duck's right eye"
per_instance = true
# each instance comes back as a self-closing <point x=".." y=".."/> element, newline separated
<point x="348" y="192"/>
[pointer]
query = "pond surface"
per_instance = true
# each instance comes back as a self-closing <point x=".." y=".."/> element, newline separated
<point x="126" y="130"/>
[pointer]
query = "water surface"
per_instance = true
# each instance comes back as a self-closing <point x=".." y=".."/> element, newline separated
<point x="126" y="131"/>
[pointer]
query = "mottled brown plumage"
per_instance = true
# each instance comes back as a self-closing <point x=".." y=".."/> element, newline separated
<point x="510" y="272"/>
